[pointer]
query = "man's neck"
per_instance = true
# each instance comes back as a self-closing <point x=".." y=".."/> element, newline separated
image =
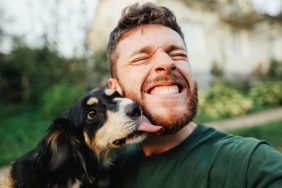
<point x="156" y="144"/>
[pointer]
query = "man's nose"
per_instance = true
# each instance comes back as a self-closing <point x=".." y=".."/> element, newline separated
<point x="163" y="63"/>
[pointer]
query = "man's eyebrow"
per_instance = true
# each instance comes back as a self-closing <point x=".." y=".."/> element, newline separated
<point x="148" y="49"/>
<point x="173" y="47"/>
<point x="145" y="49"/>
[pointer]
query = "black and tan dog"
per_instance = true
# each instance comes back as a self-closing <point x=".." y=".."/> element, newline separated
<point x="77" y="150"/>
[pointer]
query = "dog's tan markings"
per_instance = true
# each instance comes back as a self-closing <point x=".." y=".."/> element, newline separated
<point x="101" y="144"/>
<point x="74" y="183"/>
<point x="87" y="139"/>
<point x="116" y="127"/>
<point x="7" y="181"/>
<point x="104" y="135"/>
<point x="57" y="157"/>
<point x="91" y="101"/>
<point x="52" y="139"/>
<point x="109" y="92"/>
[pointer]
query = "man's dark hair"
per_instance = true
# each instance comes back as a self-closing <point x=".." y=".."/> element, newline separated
<point x="136" y="15"/>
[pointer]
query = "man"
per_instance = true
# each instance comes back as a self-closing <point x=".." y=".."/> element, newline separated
<point x="150" y="64"/>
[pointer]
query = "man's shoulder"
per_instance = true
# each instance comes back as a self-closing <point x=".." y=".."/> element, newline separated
<point x="229" y="145"/>
<point x="241" y="150"/>
<point x="205" y="137"/>
<point x="226" y="139"/>
<point x="220" y="156"/>
<point x="252" y="160"/>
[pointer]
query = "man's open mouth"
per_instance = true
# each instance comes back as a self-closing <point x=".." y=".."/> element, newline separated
<point x="165" y="89"/>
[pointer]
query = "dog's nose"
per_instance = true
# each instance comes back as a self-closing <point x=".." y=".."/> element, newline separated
<point x="133" y="110"/>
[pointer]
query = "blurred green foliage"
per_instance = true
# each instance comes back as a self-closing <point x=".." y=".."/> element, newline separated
<point x="271" y="71"/>
<point x="41" y="78"/>
<point x="217" y="72"/>
<point x="59" y="98"/>
<point x="221" y="102"/>
<point x="21" y="127"/>
<point x="99" y="72"/>
<point x="266" y="94"/>
<point x="240" y="96"/>
<point x="26" y="73"/>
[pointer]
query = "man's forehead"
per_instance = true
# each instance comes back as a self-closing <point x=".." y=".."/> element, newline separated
<point x="148" y="37"/>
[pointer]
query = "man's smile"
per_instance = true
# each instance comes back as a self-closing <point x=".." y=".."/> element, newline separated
<point x="164" y="90"/>
<point x="164" y="87"/>
<point x="169" y="90"/>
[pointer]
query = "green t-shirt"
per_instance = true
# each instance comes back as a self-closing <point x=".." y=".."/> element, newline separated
<point x="207" y="158"/>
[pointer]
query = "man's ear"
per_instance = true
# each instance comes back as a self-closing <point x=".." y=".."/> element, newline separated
<point x="113" y="84"/>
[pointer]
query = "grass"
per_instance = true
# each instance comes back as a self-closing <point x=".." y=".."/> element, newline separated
<point x="271" y="132"/>
<point x="20" y="130"/>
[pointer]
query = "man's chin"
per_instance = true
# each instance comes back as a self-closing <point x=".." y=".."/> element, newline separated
<point x="171" y="122"/>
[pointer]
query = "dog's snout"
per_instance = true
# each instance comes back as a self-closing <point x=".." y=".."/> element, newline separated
<point x="133" y="110"/>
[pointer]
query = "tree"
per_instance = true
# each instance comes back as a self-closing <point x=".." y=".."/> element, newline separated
<point x="26" y="73"/>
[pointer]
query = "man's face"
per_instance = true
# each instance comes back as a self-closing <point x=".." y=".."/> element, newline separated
<point x="152" y="68"/>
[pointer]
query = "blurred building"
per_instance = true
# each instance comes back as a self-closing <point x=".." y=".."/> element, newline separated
<point x="230" y="33"/>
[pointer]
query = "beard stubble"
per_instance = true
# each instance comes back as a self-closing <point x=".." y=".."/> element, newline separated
<point x="177" y="123"/>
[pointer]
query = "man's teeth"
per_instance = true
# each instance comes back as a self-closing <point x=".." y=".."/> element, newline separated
<point x="165" y="90"/>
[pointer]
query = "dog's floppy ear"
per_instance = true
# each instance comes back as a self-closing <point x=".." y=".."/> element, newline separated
<point x="59" y="142"/>
<point x="74" y="115"/>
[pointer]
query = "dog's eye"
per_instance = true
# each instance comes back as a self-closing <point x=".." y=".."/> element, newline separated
<point x="91" y="115"/>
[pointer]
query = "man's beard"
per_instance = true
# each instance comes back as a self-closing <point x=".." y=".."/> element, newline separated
<point x="177" y="123"/>
<point x="170" y="127"/>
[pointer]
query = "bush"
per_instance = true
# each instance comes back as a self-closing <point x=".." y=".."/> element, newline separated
<point x="217" y="71"/>
<point x="21" y="127"/>
<point x="27" y="72"/>
<point x="222" y="102"/>
<point x="271" y="71"/>
<point x="266" y="94"/>
<point x="59" y="98"/>
<point x="98" y="71"/>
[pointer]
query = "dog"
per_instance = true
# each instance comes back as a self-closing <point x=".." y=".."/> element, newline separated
<point x="78" y="149"/>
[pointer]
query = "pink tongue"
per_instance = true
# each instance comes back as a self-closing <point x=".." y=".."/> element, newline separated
<point x="146" y="126"/>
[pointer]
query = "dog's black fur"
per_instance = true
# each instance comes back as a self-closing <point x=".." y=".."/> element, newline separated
<point x="68" y="156"/>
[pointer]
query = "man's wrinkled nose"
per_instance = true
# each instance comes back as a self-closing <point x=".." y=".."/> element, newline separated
<point x="163" y="63"/>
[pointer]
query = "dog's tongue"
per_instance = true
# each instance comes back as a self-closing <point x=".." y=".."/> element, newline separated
<point x="146" y="126"/>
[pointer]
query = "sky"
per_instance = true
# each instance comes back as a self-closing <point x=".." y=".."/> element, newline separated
<point x="65" y="21"/>
<point x="271" y="7"/>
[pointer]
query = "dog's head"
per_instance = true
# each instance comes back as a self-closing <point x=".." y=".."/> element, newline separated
<point x="107" y="120"/>
<point x="101" y="121"/>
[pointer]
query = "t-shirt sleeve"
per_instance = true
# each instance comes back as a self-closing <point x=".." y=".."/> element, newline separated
<point x="265" y="168"/>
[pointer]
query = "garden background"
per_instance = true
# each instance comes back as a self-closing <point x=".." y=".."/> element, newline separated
<point x="39" y="81"/>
